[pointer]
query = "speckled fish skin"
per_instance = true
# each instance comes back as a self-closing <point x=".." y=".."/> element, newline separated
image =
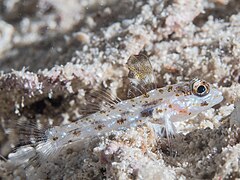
<point x="162" y="106"/>
<point x="159" y="106"/>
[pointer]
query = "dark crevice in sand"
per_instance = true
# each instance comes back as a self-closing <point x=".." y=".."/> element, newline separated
<point x="21" y="10"/>
<point x="46" y="107"/>
<point x="120" y="11"/>
<point x="45" y="54"/>
<point x="221" y="11"/>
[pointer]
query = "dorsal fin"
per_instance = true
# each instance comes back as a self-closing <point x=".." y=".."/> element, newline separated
<point x="98" y="100"/>
<point x="140" y="75"/>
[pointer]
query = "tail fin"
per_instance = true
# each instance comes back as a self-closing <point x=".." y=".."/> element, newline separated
<point x="29" y="133"/>
<point x="31" y="141"/>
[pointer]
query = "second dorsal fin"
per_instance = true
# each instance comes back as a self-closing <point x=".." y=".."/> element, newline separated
<point x="98" y="100"/>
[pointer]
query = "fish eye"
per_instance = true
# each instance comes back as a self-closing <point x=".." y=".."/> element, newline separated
<point x="200" y="88"/>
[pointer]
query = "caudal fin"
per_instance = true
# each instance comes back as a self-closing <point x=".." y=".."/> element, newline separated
<point x="31" y="138"/>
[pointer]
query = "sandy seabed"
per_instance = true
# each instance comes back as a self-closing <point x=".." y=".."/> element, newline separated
<point x="53" y="52"/>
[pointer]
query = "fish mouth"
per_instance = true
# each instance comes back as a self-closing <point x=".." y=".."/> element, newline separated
<point x="218" y="98"/>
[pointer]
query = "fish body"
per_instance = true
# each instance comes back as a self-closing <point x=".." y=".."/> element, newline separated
<point x="163" y="106"/>
<point x="160" y="106"/>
